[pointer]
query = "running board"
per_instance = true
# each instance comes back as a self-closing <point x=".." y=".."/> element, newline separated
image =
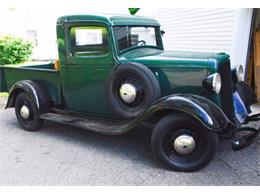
<point x="99" y="125"/>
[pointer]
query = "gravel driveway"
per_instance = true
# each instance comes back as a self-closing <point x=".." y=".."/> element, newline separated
<point x="61" y="155"/>
<point x="2" y="102"/>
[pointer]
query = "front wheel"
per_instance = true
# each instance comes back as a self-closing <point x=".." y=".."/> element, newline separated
<point x="27" y="112"/>
<point x="182" y="143"/>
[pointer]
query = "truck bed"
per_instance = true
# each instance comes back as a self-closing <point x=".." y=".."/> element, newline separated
<point x="45" y="74"/>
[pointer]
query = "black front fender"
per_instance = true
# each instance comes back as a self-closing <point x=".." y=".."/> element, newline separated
<point x="35" y="89"/>
<point x="200" y="108"/>
<point x="247" y="94"/>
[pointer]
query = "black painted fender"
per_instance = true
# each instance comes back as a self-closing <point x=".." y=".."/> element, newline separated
<point x="247" y="94"/>
<point x="207" y="113"/>
<point x="39" y="94"/>
<point x="200" y="108"/>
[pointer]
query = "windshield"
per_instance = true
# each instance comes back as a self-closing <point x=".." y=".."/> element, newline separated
<point x="129" y="37"/>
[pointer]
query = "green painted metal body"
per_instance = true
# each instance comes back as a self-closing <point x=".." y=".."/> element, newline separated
<point x="44" y="74"/>
<point x="80" y="84"/>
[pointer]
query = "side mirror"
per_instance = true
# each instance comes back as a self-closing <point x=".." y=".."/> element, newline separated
<point x="162" y="32"/>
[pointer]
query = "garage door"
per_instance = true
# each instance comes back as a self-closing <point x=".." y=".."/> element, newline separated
<point x="197" y="29"/>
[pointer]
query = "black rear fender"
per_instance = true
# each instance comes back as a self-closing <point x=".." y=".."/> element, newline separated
<point x="39" y="94"/>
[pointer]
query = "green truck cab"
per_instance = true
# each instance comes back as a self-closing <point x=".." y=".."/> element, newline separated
<point x="113" y="74"/>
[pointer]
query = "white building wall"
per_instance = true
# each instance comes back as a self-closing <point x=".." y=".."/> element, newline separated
<point x="203" y="30"/>
<point x="13" y="23"/>
<point x="240" y="40"/>
<point x="17" y="21"/>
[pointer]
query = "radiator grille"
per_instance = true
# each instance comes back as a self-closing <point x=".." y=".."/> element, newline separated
<point x="226" y="92"/>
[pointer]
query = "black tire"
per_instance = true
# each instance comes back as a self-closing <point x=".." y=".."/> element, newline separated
<point x="33" y="123"/>
<point x="169" y="128"/>
<point x="148" y="89"/>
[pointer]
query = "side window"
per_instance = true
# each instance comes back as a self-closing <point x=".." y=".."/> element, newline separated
<point x="89" y="40"/>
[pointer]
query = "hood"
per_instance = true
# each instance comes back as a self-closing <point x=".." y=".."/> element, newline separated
<point x="157" y="57"/>
<point x="177" y="72"/>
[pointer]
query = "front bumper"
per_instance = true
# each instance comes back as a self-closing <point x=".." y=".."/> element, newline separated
<point x="245" y="135"/>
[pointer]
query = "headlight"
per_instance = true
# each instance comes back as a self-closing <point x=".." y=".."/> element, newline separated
<point x="213" y="82"/>
<point x="240" y="73"/>
<point x="216" y="83"/>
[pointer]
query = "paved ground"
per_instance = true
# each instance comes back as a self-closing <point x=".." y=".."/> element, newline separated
<point x="60" y="155"/>
<point x="2" y="101"/>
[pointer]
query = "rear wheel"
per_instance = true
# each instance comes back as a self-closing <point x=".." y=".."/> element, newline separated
<point x="182" y="143"/>
<point x="27" y="112"/>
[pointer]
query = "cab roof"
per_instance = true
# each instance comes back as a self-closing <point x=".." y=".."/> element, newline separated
<point x="113" y="20"/>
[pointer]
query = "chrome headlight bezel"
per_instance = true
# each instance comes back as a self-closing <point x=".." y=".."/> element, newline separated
<point x="240" y="73"/>
<point x="213" y="82"/>
<point x="216" y="84"/>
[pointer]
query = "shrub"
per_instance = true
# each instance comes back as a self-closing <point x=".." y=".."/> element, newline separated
<point x="14" y="50"/>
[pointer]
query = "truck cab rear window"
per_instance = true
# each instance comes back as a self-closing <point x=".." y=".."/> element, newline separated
<point x="89" y="40"/>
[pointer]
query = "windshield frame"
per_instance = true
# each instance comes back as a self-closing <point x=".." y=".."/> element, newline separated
<point x="158" y="36"/>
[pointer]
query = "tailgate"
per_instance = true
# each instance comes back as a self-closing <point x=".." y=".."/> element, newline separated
<point x="2" y="80"/>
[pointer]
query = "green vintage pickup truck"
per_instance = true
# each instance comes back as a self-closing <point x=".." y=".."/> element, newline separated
<point x="113" y="74"/>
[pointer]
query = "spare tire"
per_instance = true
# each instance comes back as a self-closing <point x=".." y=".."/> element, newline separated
<point x="131" y="89"/>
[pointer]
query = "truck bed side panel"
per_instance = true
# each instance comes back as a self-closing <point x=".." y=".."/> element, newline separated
<point x="49" y="79"/>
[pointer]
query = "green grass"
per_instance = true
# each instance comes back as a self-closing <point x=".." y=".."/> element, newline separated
<point x="3" y="94"/>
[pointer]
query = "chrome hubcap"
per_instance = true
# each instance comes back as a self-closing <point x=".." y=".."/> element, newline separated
<point x="127" y="93"/>
<point x="184" y="144"/>
<point x="25" y="112"/>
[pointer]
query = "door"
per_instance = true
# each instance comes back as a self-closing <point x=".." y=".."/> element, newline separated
<point x="89" y="63"/>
